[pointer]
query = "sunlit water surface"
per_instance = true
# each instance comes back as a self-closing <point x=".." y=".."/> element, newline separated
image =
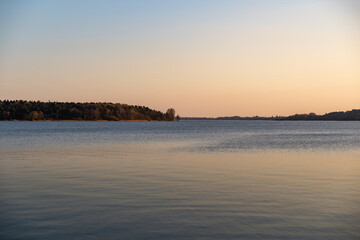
<point x="180" y="180"/>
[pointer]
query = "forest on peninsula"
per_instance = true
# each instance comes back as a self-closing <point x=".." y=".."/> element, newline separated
<point x="92" y="111"/>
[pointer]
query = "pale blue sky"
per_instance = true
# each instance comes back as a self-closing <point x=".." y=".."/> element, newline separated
<point x="204" y="58"/>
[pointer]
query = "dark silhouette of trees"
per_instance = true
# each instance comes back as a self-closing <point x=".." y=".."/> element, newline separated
<point x="177" y="117"/>
<point x="353" y="115"/>
<point x="36" y="110"/>
<point x="170" y="114"/>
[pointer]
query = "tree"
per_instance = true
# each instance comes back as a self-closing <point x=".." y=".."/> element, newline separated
<point x="170" y="114"/>
<point x="33" y="116"/>
<point x="177" y="117"/>
<point x="41" y="116"/>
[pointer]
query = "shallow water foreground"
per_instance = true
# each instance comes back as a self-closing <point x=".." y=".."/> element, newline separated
<point x="186" y="180"/>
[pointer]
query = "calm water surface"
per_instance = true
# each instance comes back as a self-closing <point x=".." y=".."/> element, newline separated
<point x="180" y="180"/>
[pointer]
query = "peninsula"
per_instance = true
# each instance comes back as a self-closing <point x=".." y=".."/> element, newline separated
<point x="92" y="111"/>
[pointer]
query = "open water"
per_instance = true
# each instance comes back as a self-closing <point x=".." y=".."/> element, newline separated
<point x="180" y="180"/>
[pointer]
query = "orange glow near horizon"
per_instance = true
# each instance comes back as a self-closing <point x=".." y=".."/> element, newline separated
<point x="237" y="59"/>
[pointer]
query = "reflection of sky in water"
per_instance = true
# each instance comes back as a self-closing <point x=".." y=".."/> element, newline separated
<point x="186" y="180"/>
<point x="197" y="135"/>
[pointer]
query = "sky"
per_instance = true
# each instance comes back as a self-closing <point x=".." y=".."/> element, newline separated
<point x="204" y="58"/>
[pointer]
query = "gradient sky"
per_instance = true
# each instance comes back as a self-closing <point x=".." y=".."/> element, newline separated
<point x="201" y="57"/>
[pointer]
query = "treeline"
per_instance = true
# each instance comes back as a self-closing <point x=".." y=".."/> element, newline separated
<point x="36" y="110"/>
<point x="353" y="115"/>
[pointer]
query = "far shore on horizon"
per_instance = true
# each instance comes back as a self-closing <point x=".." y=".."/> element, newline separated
<point x="353" y="115"/>
<point x="20" y="110"/>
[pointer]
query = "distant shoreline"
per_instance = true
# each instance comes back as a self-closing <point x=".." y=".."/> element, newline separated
<point x="20" y="110"/>
<point x="188" y="119"/>
<point x="292" y="120"/>
<point x="353" y="115"/>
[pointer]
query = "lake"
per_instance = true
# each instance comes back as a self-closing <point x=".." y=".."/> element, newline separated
<point x="180" y="180"/>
